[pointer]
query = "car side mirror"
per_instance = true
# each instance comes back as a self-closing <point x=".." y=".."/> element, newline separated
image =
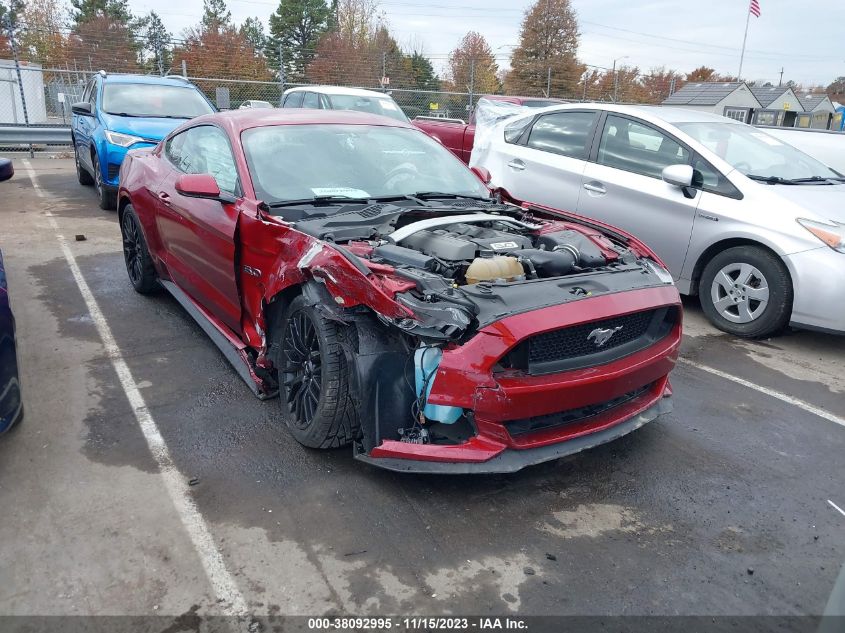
<point x="678" y="175"/>
<point x="82" y="107"/>
<point x="483" y="174"/>
<point x="201" y="186"/>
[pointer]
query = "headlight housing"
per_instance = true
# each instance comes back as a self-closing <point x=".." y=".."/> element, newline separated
<point x="831" y="233"/>
<point x="122" y="140"/>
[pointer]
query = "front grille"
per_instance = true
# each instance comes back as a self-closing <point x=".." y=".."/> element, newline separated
<point x="571" y="416"/>
<point x="114" y="171"/>
<point x="593" y="343"/>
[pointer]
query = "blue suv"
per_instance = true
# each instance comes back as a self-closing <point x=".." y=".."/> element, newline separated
<point x="122" y="112"/>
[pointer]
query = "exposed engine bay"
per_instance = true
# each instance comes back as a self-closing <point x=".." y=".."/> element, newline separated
<point x="472" y="262"/>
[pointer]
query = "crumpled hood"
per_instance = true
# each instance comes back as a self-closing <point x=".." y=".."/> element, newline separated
<point x="824" y="201"/>
<point x="152" y="128"/>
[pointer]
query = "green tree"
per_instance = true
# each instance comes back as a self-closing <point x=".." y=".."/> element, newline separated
<point x="156" y="43"/>
<point x="422" y="72"/>
<point x="295" y="28"/>
<point x="545" y="62"/>
<point x="86" y="10"/>
<point x="252" y="30"/>
<point x="215" y="15"/>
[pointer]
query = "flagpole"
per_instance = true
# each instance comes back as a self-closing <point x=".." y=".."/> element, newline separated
<point x="744" y="38"/>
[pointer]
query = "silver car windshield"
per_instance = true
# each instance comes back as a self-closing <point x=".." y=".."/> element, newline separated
<point x="755" y="153"/>
<point x="385" y="106"/>
<point x="296" y="162"/>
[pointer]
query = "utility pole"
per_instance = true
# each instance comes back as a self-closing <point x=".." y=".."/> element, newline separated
<point x="616" y="77"/>
<point x="549" y="83"/>
<point x="383" y="68"/>
<point x="13" y="45"/>
<point x="471" y="82"/>
<point x="780" y="81"/>
<point x="281" y="69"/>
<point x="185" y="69"/>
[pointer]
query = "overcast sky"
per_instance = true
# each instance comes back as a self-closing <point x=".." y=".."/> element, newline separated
<point x="806" y="42"/>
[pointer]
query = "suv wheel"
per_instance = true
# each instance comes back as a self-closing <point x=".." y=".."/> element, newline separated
<point x="106" y="198"/>
<point x="82" y="175"/>
<point x="747" y="291"/>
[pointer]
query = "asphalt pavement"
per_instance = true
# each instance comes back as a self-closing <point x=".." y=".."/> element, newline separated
<point x="726" y="507"/>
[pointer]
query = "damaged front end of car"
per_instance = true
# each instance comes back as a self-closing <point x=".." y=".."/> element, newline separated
<point x="484" y="337"/>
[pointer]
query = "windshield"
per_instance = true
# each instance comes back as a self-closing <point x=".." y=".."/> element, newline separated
<point x="294" y="162"/>
<point x="755" y="153"/>
<point x="154" y="100"/>
<point x="385" y="106"/>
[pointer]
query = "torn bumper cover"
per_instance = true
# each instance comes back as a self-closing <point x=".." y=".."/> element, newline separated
<point x="545" y="409"/>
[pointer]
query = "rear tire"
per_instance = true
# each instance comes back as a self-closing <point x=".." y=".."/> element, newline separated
<point x="82" y="175"/>
<point x="139" y="264"/>
<point x="313" y="378"/>
<point x="106" y="199"/>
<point x="747" y="291"/>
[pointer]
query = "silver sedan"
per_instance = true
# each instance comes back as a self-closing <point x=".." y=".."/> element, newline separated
<point x="750" y="224"/>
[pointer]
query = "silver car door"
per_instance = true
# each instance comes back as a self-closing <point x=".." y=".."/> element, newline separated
<point x="623" y="187"/>
<point x="547" y="163"/>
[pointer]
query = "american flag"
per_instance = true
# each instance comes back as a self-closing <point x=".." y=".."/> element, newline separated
<point x="754" y="8"/>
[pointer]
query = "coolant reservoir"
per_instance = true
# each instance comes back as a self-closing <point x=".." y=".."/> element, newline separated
<point x="493" y="268"/>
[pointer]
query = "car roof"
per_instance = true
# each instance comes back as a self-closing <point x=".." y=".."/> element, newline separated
<point x="519" y="100"/>
<point x="668" y="114"/>
<point x="238" y="120"/>
<point x="340" y="90"/>
<point x="148" y="79"/>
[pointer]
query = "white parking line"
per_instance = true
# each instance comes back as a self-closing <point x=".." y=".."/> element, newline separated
<point x="212" y="560"/>
<point x="801" y="404"/>
<point x="841" y="511"/>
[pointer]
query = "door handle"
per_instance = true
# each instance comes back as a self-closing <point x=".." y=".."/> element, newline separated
<point x="516" y="164"/>
<point x="164" y="197"/>
<point x="595" y="188"/>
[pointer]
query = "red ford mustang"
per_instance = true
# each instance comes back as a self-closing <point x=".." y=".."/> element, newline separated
<point x="351" y="264"/>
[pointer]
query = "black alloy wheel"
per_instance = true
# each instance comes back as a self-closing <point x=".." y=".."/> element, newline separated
<point x="302" y="369"/>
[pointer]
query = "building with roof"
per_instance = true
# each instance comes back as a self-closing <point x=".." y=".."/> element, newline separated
<point x="779" y="106"/>
<point x="818" y="110"/>
<point x="732" y="99"/>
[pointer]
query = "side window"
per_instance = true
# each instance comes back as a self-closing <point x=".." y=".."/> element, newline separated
<point x="311" y="100"/>
<point x="89" y="89"/>
<point x="513" y="131"/>
<point x="205" y="150"/>
<point x="708" y="178"/>
<point x="640" y="148"/>
<point x="564" y="133"/>
<point x="173" y="150"/>
<point x="293" y="100"/>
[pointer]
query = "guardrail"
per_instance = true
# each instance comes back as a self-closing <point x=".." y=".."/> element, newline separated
<point x="34" y="135"/>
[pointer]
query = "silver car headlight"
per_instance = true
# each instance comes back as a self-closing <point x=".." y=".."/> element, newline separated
<point x="831" y="233"/>
<point x="122" y="140"/>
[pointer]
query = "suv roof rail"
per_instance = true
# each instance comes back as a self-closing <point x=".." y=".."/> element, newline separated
<point x="102" y="73"/>
<point x="179" y="77"/>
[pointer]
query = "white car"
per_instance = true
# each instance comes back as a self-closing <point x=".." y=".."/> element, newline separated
<point x="339" y="98"/>
<point x="750" y="224"/>
<point x="254" y="103"/>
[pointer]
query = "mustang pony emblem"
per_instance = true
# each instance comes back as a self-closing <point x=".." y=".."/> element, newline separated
<point x="600" y="336"/>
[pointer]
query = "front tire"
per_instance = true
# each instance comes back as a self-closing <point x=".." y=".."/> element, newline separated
<point x="314" y="378"/>
<point x="139" y="264"/>
<point x="105" y="198"/>
<point x="747" y="291"/>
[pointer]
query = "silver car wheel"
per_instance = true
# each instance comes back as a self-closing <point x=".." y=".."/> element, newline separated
<point x="740" y="293"/>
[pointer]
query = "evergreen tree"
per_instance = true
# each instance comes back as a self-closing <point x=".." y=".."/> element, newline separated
<point x="295" y="29"/>
<point x="215" y="15"/>
<point x="157" y="43"/>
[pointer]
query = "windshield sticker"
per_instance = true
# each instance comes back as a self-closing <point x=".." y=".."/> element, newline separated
<point x="347" y="192"/>
<point x="388" y="105"/>
<point x="769" y="140"/>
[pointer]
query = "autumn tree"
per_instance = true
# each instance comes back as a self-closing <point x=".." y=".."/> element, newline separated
<point x="701" y="74"/>
<point x="658" y="83"/>
<point x="472" y="67"/>
<point x="350" y="52"/>
<point x="545" y="62"/>
<point x="295" y="29"/>
<point x="103" y="36"/>
<point x="9" y="20"/>
<point x="42" y="39"/>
